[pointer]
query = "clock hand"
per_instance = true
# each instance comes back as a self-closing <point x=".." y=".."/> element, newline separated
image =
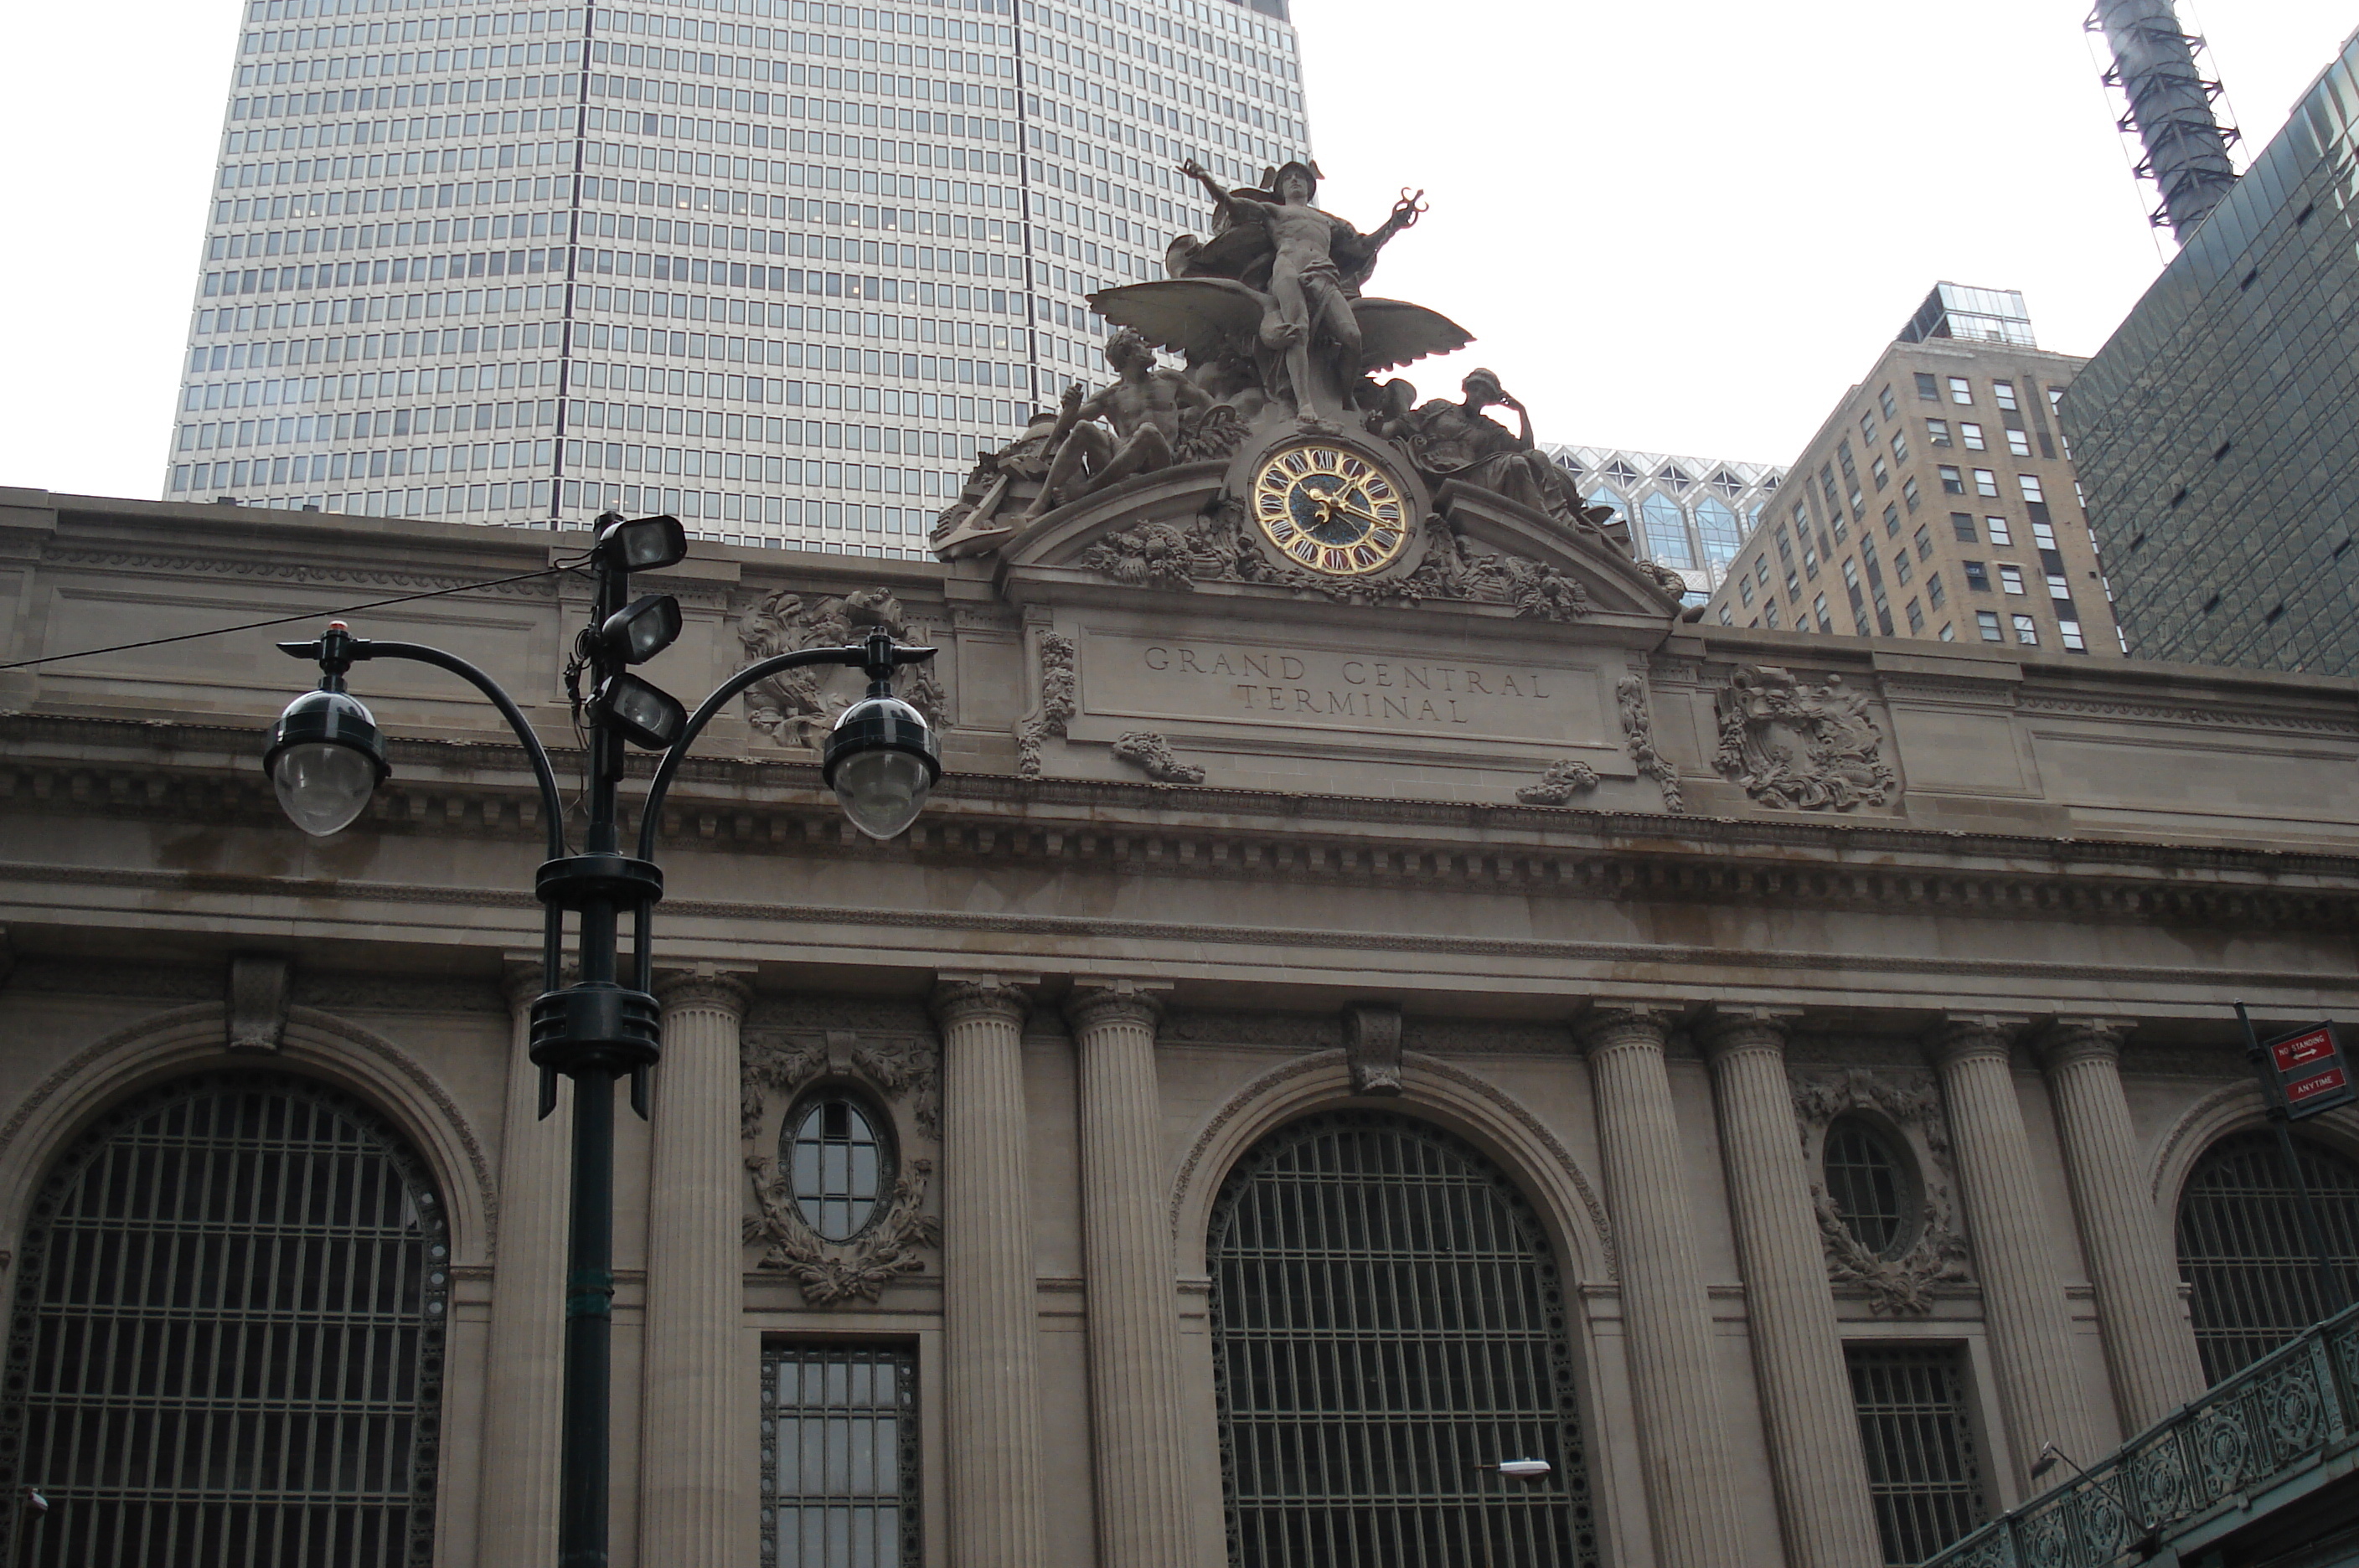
<point x="1347" y="507"/>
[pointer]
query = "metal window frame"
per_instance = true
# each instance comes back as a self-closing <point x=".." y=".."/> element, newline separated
<point x="902" y="1356"/>
<point x="293" y="1526"/>
<point x="1487" y="1300"/>
<point x="2253" y="1274"/>
<point x="1917" y="1433"/>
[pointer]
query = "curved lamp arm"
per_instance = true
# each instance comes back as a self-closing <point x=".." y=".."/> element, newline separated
<point x="553" y="804"/>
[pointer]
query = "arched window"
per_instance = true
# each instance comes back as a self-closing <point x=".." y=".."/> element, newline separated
<point x="2241" y="1246"/>
<point x="1721" y="538"/>
<point x="1870" y="1184"/>
<point x="838" y="1164"/>
<point x="227" y="1345"/>
<point x="1667" y="532"/>
<point x="1388" y="1318"/>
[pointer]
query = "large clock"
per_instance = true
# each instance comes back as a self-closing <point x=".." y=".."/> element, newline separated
<point x="1330" y="510"/>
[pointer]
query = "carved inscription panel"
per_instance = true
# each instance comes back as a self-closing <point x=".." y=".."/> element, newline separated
<point x="1455" y="699"/>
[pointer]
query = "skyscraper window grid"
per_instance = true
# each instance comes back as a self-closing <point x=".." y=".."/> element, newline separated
<point x="804" y="339"/>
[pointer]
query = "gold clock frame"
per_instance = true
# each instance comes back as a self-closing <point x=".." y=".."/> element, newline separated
<point x="1377" y="489"/>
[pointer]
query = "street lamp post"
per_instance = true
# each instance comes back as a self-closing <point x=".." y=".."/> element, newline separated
<point x="326" y="758"/>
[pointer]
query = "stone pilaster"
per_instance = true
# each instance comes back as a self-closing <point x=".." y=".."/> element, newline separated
<point x="2023" y="1300"/>
<point x="525" y="1386"/>
<point x="1666" y="1312"/>
<point x="1806" y="1405"/>
<point x="1134" y="1323"/>
<point x="991" y="1338"/>
<point x="700" y="1466"/>
<point x="2149" y="1348"/>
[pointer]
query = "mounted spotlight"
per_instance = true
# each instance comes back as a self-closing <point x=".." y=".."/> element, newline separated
<point x="643" y="544"/>
<point x="642" y="714"/>
<point x="643" y="628"/>
<point x="326" y="757"/>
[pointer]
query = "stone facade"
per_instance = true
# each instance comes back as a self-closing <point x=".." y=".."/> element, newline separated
<point x="1995" y="900"/>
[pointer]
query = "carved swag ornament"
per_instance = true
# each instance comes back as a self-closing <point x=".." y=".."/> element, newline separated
<point x="798" y="707"/>
<point x="1799" y="748"/>
<point x="905" y="1075"/>
<point x="1902" y="1284"/>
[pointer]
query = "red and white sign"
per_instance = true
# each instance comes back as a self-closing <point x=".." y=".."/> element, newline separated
<point x="2311" y="1071"/>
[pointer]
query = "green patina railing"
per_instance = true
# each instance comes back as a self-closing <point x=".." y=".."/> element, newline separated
<point x="2267" y="1424"/>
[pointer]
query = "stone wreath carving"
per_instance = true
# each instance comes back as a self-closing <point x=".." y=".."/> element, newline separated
<point x="1560" y="784"/>
<point x="798" y="707"/>
<point x="906" y="1075"/>
<point x="1638" y="735"/>
<point x="1799" y="748"/>
<point x="1151" y="754"/>
<point x="1218" y="548"/>
<point x="1059" y="700"/>
<point x="1904" y="1284"/>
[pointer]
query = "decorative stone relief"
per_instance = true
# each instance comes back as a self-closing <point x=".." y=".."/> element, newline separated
<point x="796" y="708"/>
<point x="1059" y="700"/>
<point x="1217" y="548"/>
<point x="257" y="1013"/>
<point x="1638" y="735"/>
<point x="1372" y="1047"/>
<point x="1152" y="754"/>
<point x="1560" y="784"/>
<point x="1799" y="748"/>
<point x="905" y="1076"/>
<point x="1907" y="1105"/>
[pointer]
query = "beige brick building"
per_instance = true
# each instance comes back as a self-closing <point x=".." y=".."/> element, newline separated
<point x="1937" y="501"/>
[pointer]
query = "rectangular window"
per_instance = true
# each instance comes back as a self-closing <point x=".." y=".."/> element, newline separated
<point x="1850" y="576"/>
<point x="1919" y="1441"/>
<point x="2059" y="588"/>
<point x="2027" y="631"/>
<point x="1891" y="521"/>
<point x="1937" y="432"/>
<point x="1934" y="593"/>
<point x="1727" y="619"/>
<point x="1976" y="578"/>
<point x="1900" y="564"/>
<point x="1867" y="428"/>
<point x="2030" y="484"/>
<point x="1987" y="620"/>
<point x="1924" y="537"/>
<point x="1963" y="525"/>
<point x="1826" y="622"/>
<point x="2004" y="392"/>
<point x="840" y="1456"/>
<point x="1770" y="614"/>
<point x="1745" y="591"/>
<point x="1927" y="389"/>
<point x="1960" y="390"/>
<point x="1899" y="446"/>
<point x="1949" y="632"/>
<point x="2010" y="578"/>
<point x="1881" y="474"/>
<point x="1915" y="617"/>
<point x="1885" y="399"/>
<point x="1985" y="483"/>
<point x="2070" y="631"/>
<point x="2043" y="535"/>
<point x="1908" y="491"/>
<point x="1999" y="533"/>
<point x="1954" y="482"/>
<point x="2018" y="444"/>
<point x="1971" y="435"/>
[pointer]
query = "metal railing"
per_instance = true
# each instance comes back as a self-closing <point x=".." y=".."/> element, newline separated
<point x="2246" y="1433"/>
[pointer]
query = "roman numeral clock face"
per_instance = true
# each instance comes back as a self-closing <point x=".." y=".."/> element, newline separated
<point x="1330" y="510"/>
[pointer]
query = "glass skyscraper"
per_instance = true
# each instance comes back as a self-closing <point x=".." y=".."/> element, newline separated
<point x="779" y="267"/>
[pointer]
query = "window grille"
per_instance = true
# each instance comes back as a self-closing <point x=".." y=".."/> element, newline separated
<point x="840" y="1457"/>
<point x="1870" y="1186"/>
<point x="1386" y="1318"/>
<point x="228" y="1340"/>
<point x="1920" y="1454"/>
<point x="2241" y="1246"/>
<point x="839" y="1164"/>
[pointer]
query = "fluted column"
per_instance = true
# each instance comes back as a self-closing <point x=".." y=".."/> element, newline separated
<point x="991" y="1339"/>
<point x="1806" y="1405"/>
<point x="2149" y="1348"/>
<point x="698" y="1465"/>
<point x="1666" y="1312"/>
<point x="2023" y="1301"/>
<point x="524" y="1387"/>
<point x="1134" y="1325"/>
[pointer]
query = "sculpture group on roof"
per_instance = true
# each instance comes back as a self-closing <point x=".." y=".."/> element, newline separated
<point x="1271" y="328"/>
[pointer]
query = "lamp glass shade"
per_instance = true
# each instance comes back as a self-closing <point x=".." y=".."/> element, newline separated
<point x="1524" y="1469"/>
<point x="322" y="785"/>
<point x="881" y="764"/>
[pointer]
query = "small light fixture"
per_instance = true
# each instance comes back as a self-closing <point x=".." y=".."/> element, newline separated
<point x="643" y="628"/>
<point x="643" y="544"/>
<point x="326" y="757"/>
<point x="881" y="761"/>
<point x="1524" y="1469"/>
<point x="642" y="714"/>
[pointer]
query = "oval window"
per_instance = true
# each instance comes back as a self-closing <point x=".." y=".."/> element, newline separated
<point x="839" y="1164"/>
<point x="1869" y="1181"/>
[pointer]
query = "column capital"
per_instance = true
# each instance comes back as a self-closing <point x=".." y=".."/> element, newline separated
<point x="2067" y="1040"/>
<point x="1961" y="1037"/>
<point x="959" y="996"/>
<point x="727" y="987"/>
<point x="1609" y="1026"/>
<point x="1106" y="998"/>
<point x="520" y="977"/>
<point x="1733" y="1026"/>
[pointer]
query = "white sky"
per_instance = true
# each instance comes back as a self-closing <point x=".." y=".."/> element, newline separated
<point x="1681" y="226"/>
